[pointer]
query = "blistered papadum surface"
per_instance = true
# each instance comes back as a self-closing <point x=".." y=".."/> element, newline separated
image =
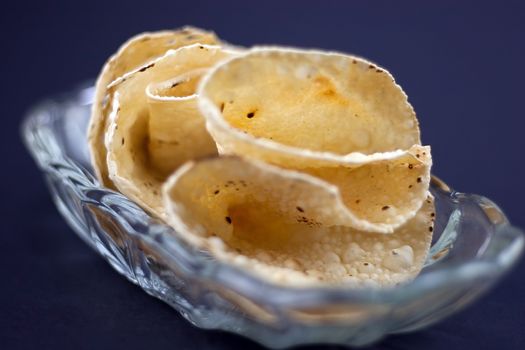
<point x="280" y="225"/>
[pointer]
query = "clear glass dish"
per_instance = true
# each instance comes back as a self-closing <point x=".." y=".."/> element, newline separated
<point x="474" y="245"/>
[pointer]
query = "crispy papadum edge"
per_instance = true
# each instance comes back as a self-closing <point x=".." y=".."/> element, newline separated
<point x="101" y="103"/>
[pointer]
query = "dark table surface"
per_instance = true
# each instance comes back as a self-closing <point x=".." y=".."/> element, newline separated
<point x="460" y="64"/>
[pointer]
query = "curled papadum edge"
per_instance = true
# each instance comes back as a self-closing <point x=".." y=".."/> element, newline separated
<point x="155" y="125"/>
<point x="134" y="53"/>
<point x="338" y="117"/>
<point x="288" y="227"/>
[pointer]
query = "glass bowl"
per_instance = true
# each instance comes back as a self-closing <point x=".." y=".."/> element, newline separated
<point x="473" y="246"/>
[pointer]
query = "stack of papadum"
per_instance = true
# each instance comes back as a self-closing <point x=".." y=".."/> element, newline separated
<point x="303" y="167"/>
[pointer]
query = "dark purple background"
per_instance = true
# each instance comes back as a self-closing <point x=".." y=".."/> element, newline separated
<point x="461" y="65"/>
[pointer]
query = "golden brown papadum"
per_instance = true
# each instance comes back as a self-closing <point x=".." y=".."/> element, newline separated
<point x="288" y="227"/>
<point x="134" y="53"/>
<point x="338" y="117"/>
<point x="155" y="125"/>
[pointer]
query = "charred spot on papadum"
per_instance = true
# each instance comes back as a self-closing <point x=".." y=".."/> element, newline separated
<point x="251" y="114"/>
<point x="143" y="69"/>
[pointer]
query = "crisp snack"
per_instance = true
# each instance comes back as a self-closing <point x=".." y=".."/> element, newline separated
<point x="288" y="227"/>
<point x="133" y="54"/>
<point x="337" y="117"/>
<point x="292" y="164"/>
<point x="155" y="125"/>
